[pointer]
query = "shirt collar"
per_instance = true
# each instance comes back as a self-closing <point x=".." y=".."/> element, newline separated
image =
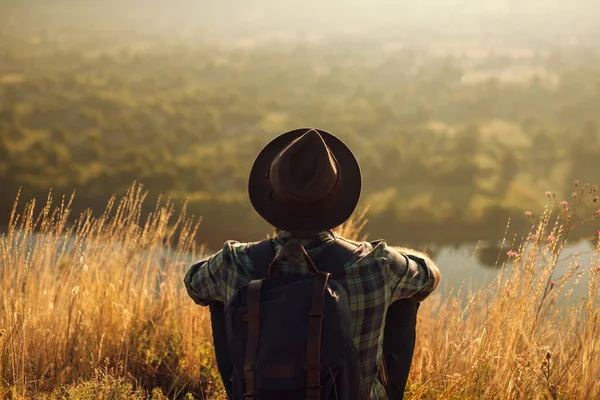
<point x="314" y="243"/>
<point x="323" y="236"/>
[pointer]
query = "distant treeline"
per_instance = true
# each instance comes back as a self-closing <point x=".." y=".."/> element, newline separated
<point x="445" y="143"/>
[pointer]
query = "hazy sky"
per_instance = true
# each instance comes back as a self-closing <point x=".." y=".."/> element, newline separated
<point x="530" y="19"/>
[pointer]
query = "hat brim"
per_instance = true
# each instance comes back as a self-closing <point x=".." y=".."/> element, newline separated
<point x="332" y="212"/>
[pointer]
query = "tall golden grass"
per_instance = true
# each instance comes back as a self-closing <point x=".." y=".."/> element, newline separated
<point x="525" y="336"/>
<point x="110" y="302"/>
<point x="97" y="309"/>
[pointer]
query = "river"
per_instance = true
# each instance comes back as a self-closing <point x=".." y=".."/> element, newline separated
<point x="470" y="265"/>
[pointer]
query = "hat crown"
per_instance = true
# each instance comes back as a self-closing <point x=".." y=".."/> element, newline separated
<point x="305" y="171"/>
<point x="305" y="181"/>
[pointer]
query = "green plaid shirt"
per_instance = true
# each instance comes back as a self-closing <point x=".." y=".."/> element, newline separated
<point x="375" y="277"/>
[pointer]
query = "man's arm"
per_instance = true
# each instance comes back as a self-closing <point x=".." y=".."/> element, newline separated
<point x="206" y="284"/>
<point x="399" y="345"/>
<point x="413" y="274"/>
<point x="206" y="281"/>
<point x="414" y="277"/>
<point x="423" y="259"/>
<point x="203" y="281"/>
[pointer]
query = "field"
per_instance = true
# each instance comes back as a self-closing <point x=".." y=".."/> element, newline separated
<point x="461" y="115"/>
<point x="97" y="310"/>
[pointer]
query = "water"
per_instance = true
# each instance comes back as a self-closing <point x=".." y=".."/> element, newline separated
<point x="471" y="266"/>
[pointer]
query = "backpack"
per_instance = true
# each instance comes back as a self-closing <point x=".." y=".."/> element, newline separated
<point x="289" y="336"/>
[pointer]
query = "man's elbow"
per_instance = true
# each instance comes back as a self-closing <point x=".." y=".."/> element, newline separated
<point x="191" y="281"/>
<point x="425" y="261"/>
<point x="191" y="292"/>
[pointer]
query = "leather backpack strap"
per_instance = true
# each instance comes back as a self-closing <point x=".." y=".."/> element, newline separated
<point x="331" y="262"/>
<point x="313" y="345"/>
<point x="253" y="317"/>
<point x="261" y="254"/>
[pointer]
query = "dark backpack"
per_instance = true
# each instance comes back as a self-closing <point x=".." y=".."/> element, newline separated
<point x="289" y="336"/>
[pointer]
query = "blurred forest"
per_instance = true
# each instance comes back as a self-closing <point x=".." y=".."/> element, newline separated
<point x="454" y="132"/>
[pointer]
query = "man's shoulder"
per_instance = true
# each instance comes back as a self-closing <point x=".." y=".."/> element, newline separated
<point x="236" y="252"/>
<point x="234" y="245"/>
<point x="233" y="253"/>
<point x="414" y="255"/>
<point x="376" y="250"/>
<point x="397" y="254"/>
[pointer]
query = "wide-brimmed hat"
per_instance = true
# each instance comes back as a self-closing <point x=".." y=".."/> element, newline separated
<point x="305" y="181"/>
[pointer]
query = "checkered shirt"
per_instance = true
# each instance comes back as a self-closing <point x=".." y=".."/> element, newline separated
<point x="374" y="278"/>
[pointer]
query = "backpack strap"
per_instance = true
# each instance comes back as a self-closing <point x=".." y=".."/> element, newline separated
<point x="253" y="301"/>
<point x="335" y="257"/>
<point x="261" y="255"/>
<point x="313" y="345"/>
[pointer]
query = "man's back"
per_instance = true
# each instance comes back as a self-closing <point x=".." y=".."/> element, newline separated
<point x="307" y="181"/>
<point x="375" y="276"/>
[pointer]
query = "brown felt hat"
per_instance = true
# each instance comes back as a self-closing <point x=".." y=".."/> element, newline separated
<point x="305" y="181"/>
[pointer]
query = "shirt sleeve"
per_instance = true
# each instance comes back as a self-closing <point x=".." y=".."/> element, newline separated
<point x="410" y="276"/>
<point x="205" y="281"/>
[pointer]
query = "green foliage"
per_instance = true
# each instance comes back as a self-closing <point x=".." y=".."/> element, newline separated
<point x="455" y="137"/>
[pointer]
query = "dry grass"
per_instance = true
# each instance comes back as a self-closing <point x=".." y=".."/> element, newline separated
<point x="524" y="337"/>
<point x="110" y="301"/>
<point x="97" y="309"/>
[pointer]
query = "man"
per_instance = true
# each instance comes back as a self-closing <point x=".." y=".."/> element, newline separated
<point x="305" y="183"/>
